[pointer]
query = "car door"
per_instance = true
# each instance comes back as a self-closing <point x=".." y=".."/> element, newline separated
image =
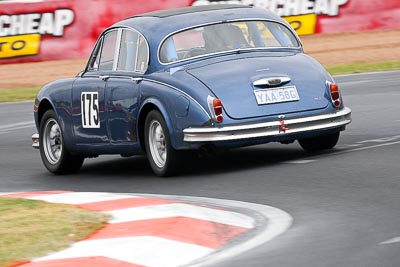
<point x="122" y="90"/>
<point x="88" y="93"/>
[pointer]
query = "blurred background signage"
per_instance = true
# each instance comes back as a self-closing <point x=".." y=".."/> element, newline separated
<point x="38" y="30"/>
<point x="301" y="14"/>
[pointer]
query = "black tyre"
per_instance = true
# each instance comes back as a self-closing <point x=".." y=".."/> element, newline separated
<point x="320" y="142"/>
<point x="53" y="152"/>
<point x="163" y="159"/>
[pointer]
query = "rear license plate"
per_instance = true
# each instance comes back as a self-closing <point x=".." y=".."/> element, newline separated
<point x="276" y="95"/>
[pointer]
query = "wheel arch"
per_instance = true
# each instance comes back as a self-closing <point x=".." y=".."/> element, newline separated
<point x="149" y="105"/>
<point x="44" y="106"/>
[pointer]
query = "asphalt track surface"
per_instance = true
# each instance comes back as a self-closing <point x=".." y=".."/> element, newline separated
<point x="344" y="203"/>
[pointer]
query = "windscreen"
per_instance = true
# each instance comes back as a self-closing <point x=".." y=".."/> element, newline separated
<point x="226" y="36"/>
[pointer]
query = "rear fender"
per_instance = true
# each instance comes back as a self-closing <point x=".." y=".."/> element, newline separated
<point x="149" y="104"/>
<point x="179" y="110"/>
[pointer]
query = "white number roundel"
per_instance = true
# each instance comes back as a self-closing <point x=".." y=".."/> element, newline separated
<point x="90" y="110"/>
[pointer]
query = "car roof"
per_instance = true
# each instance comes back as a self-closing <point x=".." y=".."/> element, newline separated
<point x="187" y="10"/>
<point x="158" y="25"/>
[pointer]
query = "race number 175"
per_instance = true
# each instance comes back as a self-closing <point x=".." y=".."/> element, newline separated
<point x="90" y="110"/>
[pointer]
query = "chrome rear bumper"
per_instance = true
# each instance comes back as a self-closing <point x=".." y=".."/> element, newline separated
<point x="35" y="140"/>
<point x="269" y="129"/>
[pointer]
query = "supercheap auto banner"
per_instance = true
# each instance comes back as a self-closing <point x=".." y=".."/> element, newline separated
<point x="39" y="30"/>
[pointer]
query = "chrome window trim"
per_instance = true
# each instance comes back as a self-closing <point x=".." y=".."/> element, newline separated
<point x="99" y="40"/>
<point x="102" y="39"/>
<point x="137" y="53"/>
<point x="216" y="53"/>
<point x="148" y="50"/>
<point x="119" y="37"/>
<point x="136" y="79"/>
<point x="117" y="50"/>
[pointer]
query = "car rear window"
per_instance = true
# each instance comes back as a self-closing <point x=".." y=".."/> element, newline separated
<point x="224" y="37"/>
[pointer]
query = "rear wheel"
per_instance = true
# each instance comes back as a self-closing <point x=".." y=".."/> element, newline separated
<point x="53" y="152"/>
<point x="320" y="142"/>
<point x="162" y="157"/>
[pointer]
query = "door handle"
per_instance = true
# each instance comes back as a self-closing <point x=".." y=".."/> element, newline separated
<point x="104" y="77"/>
<point x="137" y="80"/>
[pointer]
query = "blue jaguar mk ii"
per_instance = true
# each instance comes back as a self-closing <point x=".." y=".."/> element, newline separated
<point x="178" y="80"/>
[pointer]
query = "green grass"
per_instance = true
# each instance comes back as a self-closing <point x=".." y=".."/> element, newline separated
<point x="30" y="229"/>
<point x="360" y="67"/>
<point x="18" y="94"/>
<point x="21" y="94"/>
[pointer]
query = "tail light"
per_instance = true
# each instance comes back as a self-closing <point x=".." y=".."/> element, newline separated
<point x="335" y="94"/>
<point x="215" y="106"/>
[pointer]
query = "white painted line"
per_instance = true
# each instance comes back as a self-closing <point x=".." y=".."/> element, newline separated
<point x="181" y="210"/>
<point x="144" y="250"/>
<point x="359" y="148"/>
<point x="363" y="148"/>
<point x="17" y="102"/>
<point x="391" y="241"/>
<point x="305" y="161"/>
<point x="346" y="146"/>
<point x="277" y="223"/>
<point x="16" y="128"/>
<point x="367" y="73"/>
<point x="380" y="140"/>
<point x="358" y="82"/>
<point x="352" y="145"/>
<point x="76" y="198"/>
<point x="16" y="125"/>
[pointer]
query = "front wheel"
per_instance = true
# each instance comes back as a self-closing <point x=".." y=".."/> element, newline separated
<point x="163" y="158"/>
<point x="318" y="143"/>
<point x="53" y="152"/>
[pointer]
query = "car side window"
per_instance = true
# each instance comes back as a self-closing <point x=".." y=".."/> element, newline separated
<point x="108" y="51"/>
<point x="95" y="58"/>
<point x="133" y="54"/>
<point x="143" y="56"/>
<point x="128" y="51"/>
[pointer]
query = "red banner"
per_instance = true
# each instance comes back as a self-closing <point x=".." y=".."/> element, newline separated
<point x="55" y="29"/>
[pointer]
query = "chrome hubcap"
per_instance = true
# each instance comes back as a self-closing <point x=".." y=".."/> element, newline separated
<point x="157" y="144"/>
<point x="52" y="141"/>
